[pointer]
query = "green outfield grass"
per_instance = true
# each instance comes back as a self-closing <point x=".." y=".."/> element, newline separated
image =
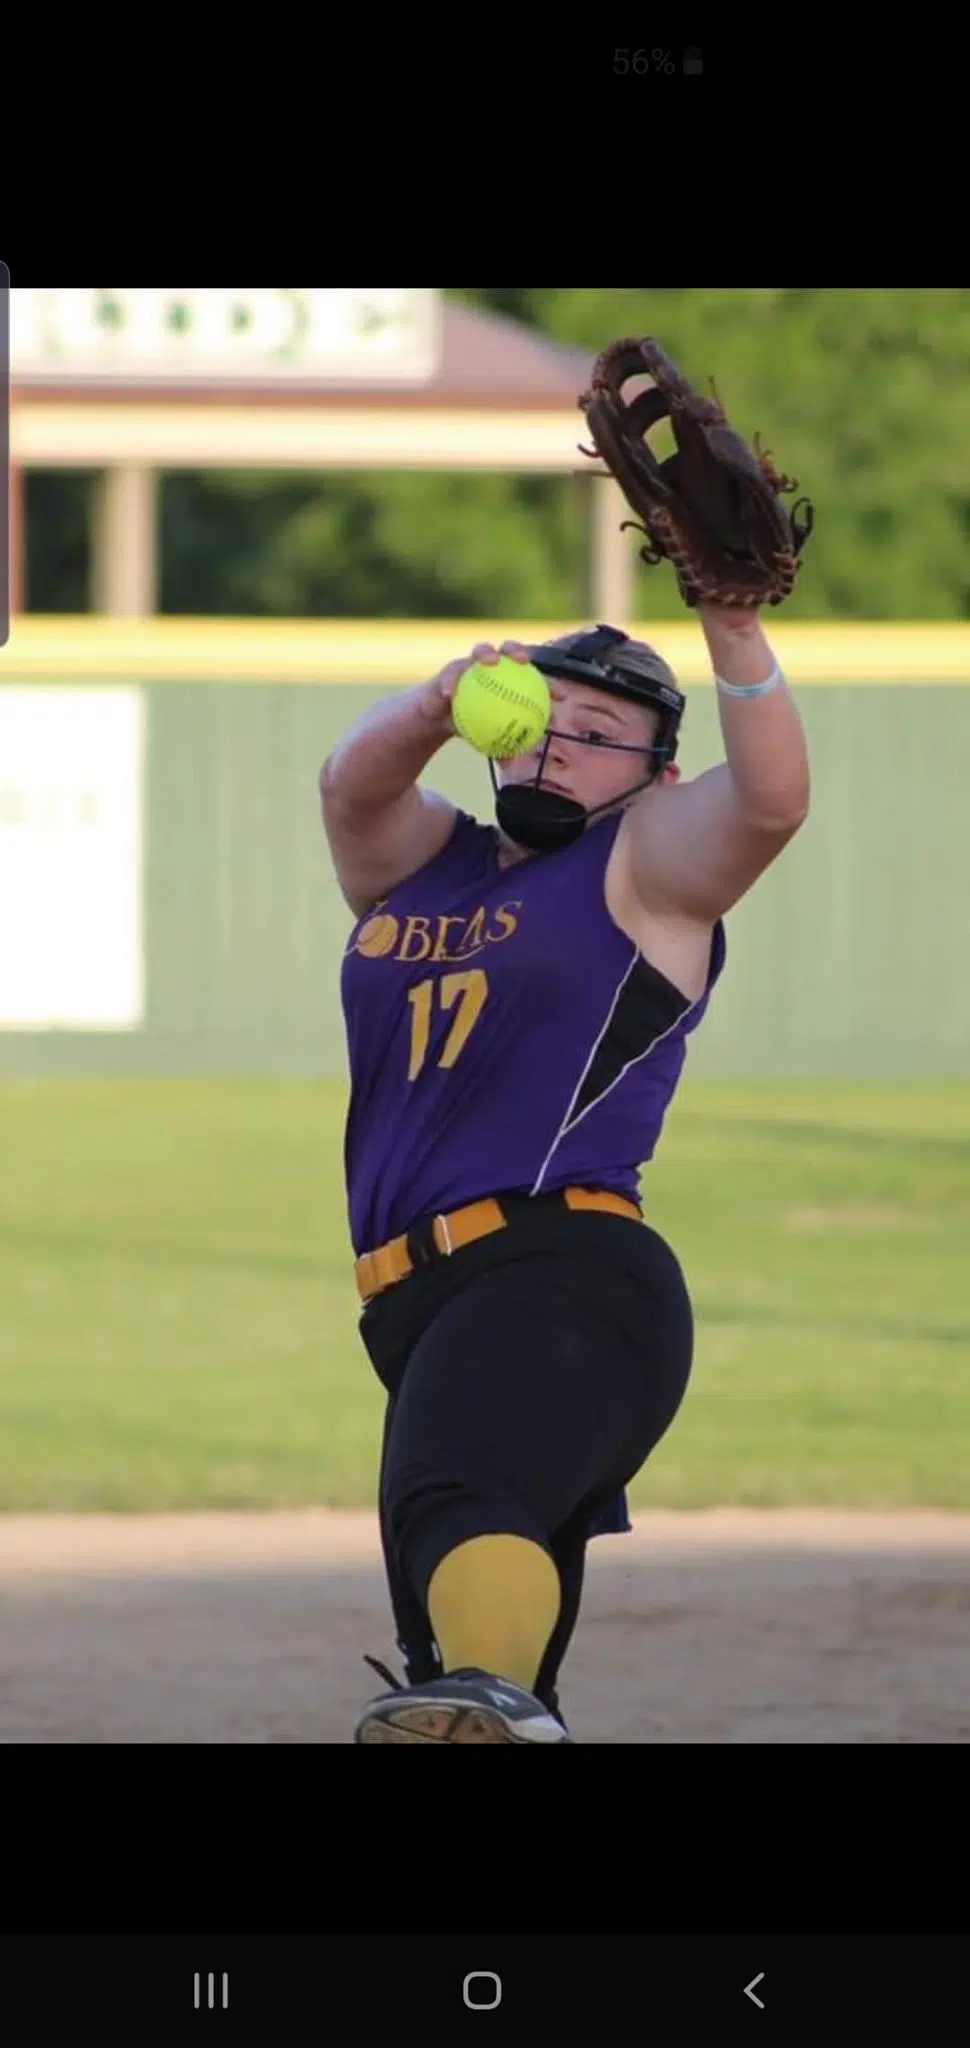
<point x="178" y="1323"/>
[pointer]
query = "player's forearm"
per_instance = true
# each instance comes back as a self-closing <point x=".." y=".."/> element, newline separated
<point x="764" y="739"/>
<point x="386" y="750"/>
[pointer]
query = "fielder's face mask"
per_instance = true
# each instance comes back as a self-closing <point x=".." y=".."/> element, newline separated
<point x="542" y="819"/>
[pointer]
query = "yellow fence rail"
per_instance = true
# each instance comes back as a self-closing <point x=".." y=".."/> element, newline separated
<point x="381" y="651"/>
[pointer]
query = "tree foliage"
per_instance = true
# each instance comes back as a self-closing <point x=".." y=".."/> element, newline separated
<point x="862" y="396"/>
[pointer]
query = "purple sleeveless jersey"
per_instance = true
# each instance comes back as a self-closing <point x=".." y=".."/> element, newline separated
<point x="502" y="1035"/>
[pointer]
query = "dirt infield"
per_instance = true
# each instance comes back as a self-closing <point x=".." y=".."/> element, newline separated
<point x="728" y="1626"/>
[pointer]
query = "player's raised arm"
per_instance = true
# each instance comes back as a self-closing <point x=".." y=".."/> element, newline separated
<point x="715" y="510"/>
<point x="380" y="826"/>
<point x="764" y="739"/>
<point x="697" y="847"/>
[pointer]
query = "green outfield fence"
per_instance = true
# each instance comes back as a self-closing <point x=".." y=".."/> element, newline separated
<point x="202" y="931"/>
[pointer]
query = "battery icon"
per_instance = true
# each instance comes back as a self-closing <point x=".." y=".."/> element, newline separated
<point x="693" y="60"/>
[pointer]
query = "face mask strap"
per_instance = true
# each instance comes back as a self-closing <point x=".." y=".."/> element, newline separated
<point x="603" y="746"/>
<point x="659" y="756"/>
<point x="615" y="801"/>
<point x="496" y="785"/>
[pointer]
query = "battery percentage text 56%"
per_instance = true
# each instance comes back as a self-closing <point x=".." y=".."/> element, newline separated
<point x="642" y="61"/>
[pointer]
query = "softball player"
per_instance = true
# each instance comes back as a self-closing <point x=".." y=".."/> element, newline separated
<point x="518" y="997"/>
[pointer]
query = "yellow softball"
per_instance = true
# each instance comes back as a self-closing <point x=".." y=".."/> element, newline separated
<point x="501" y="708"/>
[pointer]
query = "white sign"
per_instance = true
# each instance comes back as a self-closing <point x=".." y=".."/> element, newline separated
<point x="248" y="334"/>
<point x="71" y="764"/>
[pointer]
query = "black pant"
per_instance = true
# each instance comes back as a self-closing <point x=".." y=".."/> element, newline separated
<point x="528" y="1376"/>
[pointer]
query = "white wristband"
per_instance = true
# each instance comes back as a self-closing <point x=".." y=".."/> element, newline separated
<point x="751" y="689"/>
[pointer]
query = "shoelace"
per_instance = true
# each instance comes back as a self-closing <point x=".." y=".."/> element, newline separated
<point x="383" y="1672"/>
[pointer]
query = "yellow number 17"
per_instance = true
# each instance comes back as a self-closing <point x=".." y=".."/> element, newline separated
<point x="471" y="988"/>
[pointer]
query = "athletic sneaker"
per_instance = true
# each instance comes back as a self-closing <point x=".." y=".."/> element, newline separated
<point x="465" y="1706"/>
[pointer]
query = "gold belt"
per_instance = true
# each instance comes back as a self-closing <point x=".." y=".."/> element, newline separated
<point x="443" y="1235"/>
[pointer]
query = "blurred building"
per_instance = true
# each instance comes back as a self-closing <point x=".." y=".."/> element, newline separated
<point x="132" y="383"/>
